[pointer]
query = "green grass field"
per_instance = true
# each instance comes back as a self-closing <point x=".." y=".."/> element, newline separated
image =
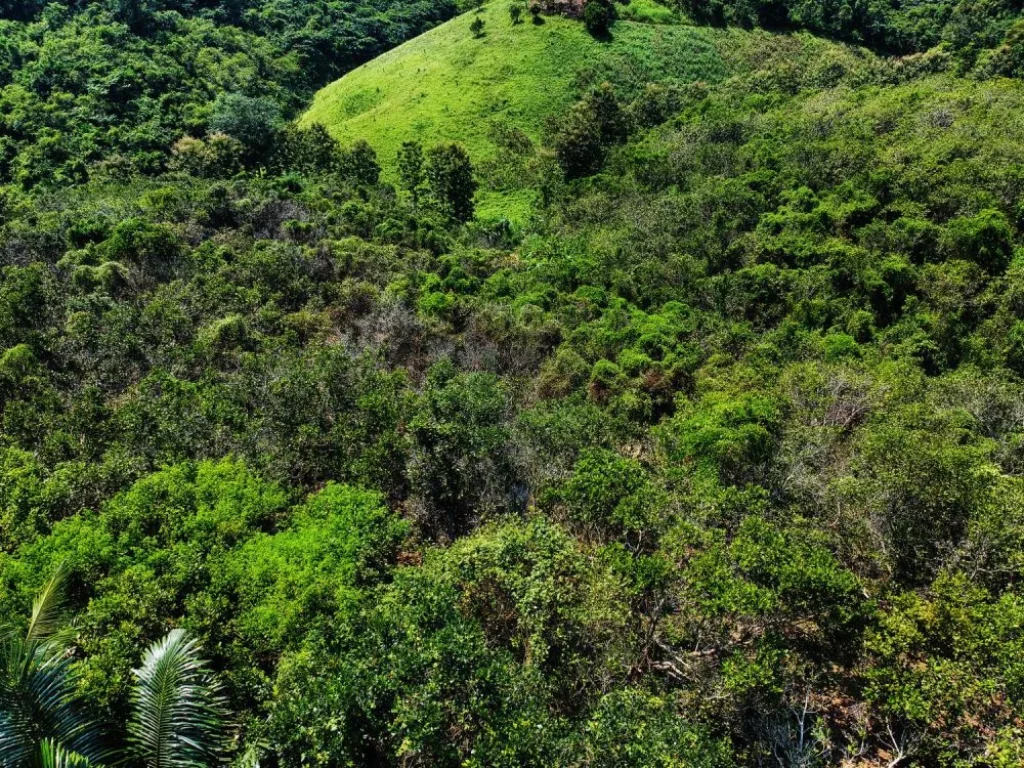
<point x="448" y="85"/>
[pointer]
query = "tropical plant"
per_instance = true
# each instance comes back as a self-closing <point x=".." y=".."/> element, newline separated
<point x="53" y="755"/>
<point x="178" y="713"/>
<point x="38" y="688"/>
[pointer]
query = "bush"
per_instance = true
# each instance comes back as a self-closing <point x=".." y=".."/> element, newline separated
<point x="252" y="121"/>
<point x="449" y="173"/>
<point x="592" y="126"/>
<point x="359" y="164"/>
<point x="598" y="16"/>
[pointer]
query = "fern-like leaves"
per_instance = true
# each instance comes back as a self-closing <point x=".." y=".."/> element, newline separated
<point x="39" y="687"/>
<point x="178" y="713"/>
<point x="53" y="755"/>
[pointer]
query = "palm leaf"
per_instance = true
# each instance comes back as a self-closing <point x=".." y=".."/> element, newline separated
<point x="52" y="754"/>
<point x="47" y="607"/>
<point x="39" y="688"/>
<point x="39" y="698"/>
<point x="177" y="719"/>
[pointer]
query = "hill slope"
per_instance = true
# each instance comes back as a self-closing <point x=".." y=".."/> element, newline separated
<point x="449" y="85"/>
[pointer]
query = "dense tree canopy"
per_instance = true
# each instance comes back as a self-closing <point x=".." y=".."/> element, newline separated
<point x="968" y="26"/>
<point x="712" y="459"/>
<point x="117" y="82"/>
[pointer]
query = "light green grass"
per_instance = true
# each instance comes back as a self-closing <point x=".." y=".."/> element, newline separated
<point x="447" y="85"/>
<point x="648" y="12"/>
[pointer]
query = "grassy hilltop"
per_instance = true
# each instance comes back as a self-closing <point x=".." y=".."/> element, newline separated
<point x="448" y="85"/>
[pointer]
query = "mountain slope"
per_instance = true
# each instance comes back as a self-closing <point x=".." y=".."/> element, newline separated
<point x="449" y="85"/>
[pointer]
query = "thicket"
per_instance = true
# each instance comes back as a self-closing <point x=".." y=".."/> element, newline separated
<point x="966" y="26"/>
<point x="115" y="83"/>
<point x="717" y="461"/>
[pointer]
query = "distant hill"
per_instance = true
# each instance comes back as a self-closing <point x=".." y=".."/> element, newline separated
<point x="449" y="85"/>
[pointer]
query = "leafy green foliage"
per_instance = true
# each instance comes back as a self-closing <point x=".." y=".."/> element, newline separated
<point x="53" y="755"/>
<point x="687" y="432"/>
<point x="177" y="712"/>
<point x="288" y="583"/>
<point x="411" y="173"/>
<point x="449" y="173"/>
<point x="39" y="695"/>
<point x="598" y="17"/>
<point x="588" y="131"/>
<point x="112" y="84"/>
<point x="177" y="717"/>
<point x="889" y="26"/>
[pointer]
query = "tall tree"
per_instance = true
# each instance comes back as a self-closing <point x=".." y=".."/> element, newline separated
<point x="450" y="175"/>
<point x="411" y="173"/>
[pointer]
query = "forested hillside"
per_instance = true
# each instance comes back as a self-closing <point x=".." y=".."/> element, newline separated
<point x="573" y="385"/>
<point x="116" y="82"/>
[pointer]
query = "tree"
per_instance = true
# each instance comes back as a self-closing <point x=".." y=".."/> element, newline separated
<point x="584" y="135"/>
<point x="218" y="156"/>
<point x="359" y="164"/>
<point x="20" y="10"/>
<point x="135" y="13"/>
<point x="308" y="150"/>
<point x="607" y="114"/>
<point x="577" y="143"/>
<point x="515" y="12"/>
<point x="411" y="173"/>
<point x="598" y="16"/>
<point x="458" y="465"/>
<point x="450" y="175"/>
<point x="252" y="121"/>
<point x="477" y="27"/>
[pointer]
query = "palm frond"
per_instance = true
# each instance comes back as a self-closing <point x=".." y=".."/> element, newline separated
<point x="47" y="606"/>
<point x="39" y="688"/>
<point x="41" y="700"/>
<point x="178" y="713"/>
<point x="52" y="754"/>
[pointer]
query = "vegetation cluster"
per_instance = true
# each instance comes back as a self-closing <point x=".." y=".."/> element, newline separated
<point x="710" y="456"/>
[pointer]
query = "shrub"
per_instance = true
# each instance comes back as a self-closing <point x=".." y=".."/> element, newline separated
<point x="252" y="121"/>
<point x="598" y="17"/>
<point x="359" y="164"/>
<point x="450" y="176"/>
